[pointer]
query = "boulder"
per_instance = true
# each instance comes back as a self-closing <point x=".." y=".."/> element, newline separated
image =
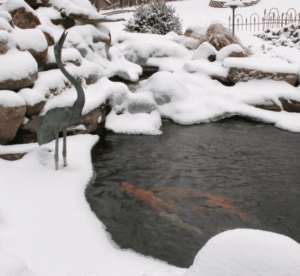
<point x="12" y="156"/>
<point x="33" y="41"/>
<point x="287" y="105"/>
<point x="20" y="70"/>
<point x="12" y="112"/>
<point x="245" y="69"/>
<point x="7" y="42"/>
<point x="66" y="22"/>
<point x="23" y="15"/>
<point x="48" y="34"/>
<point x="206" y="51"/>
<point x="232" y="50"/>
<point x="69" y="55"/>
<point x="34" y="101"/>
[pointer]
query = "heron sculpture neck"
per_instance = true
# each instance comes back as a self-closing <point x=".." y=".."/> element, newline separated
<point x="79" y="103"/>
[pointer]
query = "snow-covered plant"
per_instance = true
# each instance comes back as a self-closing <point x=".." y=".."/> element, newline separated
<point x="156" y="18"/>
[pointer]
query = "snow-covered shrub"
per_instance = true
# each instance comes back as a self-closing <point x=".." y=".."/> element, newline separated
<point x="157" y="18"/>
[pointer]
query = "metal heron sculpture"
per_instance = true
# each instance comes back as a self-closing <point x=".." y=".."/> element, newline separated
<point x="61" y="117"/>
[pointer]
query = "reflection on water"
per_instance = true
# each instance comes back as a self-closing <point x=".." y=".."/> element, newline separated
<point x="166" y="195"/>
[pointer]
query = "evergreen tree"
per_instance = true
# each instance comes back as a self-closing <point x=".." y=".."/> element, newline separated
<point x="156" y="18"/>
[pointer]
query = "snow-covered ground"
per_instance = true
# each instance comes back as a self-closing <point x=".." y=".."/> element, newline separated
<point x="45" y="220"/>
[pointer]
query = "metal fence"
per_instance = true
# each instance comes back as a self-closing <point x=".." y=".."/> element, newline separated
<point x="272" y="19"/>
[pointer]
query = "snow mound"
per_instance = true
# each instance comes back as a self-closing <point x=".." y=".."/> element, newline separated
<point x="67" y="55"/>
<point x="13" y="266"/>
<point x="8" y="39"/>
<point x="247" y="252"/>
<point x="10" y="99"/>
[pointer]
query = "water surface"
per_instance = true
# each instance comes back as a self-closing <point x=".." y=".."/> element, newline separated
<point x="166" y="195"/>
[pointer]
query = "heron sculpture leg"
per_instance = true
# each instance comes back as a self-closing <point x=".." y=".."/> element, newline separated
<point x="64" y="152"/>
<point x="56" y="148"/>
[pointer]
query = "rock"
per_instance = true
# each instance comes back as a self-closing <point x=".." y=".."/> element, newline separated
<point x="7" y="42"/>
<point x="206" y="51"/>
<point x="287" y="105"/>
<point x="189" y="42"/>
<point x="12" y="111"/>
<point x="20" y="70"/>
<point x="34" y="41"/>
<point x="232" y="50"/>
<point x="34" y="3"/>
<point x="48" y="34"/>
<point x="244" y="69"/>
<point x="12" y="156"/>
<point x="34" y="101"/>
<point x="23" y="15"/>
<point x="68" y="56"/>
<point x="66" y="22"/>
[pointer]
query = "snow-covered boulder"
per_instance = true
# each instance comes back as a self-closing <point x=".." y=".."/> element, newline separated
<point x="7" y="42"/>
<point x="20" y="70"/>
<point x="33" y="41"/>
<point x="12" y="111"/>
<point x="48" y="34"/>
<point x="205" y="51"/>
<point x="232" y="50"/>
<point x="92" y="43"/>
<point x="138" y="49"/>
<point x="189" y="42"/>
<point x="245" y="69"/>
<point x="247" y="252"/>
<point x="34" y="101"/>
<point x="69" y="55"/>
<point x="23" y="15"/>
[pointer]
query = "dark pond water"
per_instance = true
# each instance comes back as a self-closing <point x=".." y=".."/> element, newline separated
<point x="166" y="195"/>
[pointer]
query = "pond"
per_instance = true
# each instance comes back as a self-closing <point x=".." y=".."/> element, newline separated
<point x="165" y="196"/>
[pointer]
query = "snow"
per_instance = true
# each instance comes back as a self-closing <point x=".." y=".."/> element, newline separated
<point x="31" y="96"/>
<point x="10" y="99"/>
<point x="30" y="39"/>
<point x="18" y="65"/>
<point x="247" y="252"/>
<point x="265" y="64"/>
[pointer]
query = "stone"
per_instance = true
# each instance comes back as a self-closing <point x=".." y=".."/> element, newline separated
<point x="48" y="34"/>
<point x="35" y="42"/>
<point x="206" y="51"/>
<point x="12" y="156"/>
<point x="245" y="69"/>
<point x="16" y="85"/>
<point x="287" y="105"/>
<point x="20" y="71"/>
<point x="11" y="119"/>
<point x="189" y="42"/>
<point x="243" y="75"/>
<point x="24" y="19"/>
<point x="7" y="42"/>
<point x="66" y="22"/>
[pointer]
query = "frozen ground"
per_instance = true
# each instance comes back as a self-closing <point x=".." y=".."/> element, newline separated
<point x="44" y="218"/>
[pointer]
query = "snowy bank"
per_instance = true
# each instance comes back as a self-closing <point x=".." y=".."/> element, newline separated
<point x="46" y="222"/>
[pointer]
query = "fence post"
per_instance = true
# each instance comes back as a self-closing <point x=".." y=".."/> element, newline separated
<point x="229" y="23"/>
<point x="246" y="23"/>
